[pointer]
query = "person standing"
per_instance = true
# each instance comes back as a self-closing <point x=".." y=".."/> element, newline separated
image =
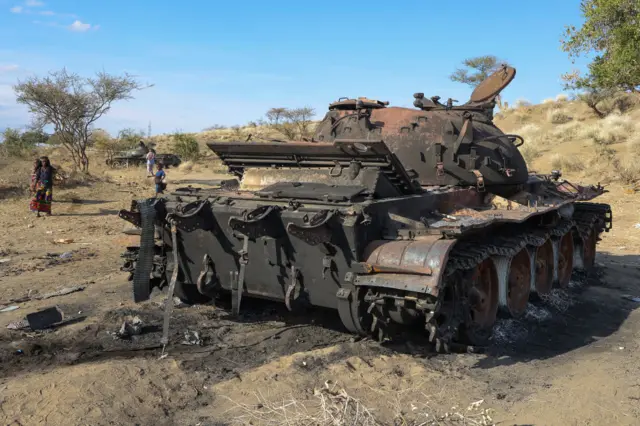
<point x="151" y="159"/>
<point x="159" y="180"/>
<point x="41" y="202"/>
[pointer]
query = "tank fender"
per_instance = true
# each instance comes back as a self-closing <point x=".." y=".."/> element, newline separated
<point x="417" y="265"/>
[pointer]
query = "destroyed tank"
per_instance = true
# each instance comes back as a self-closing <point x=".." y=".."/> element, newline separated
<point x="394" y="217"/>
<point x="137" y="157"/>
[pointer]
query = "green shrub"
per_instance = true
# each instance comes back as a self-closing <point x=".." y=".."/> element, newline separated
<point x="185" y="146"/>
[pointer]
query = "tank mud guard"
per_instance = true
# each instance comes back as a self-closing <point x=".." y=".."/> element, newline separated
<point x="142" y="273"/>
<point x="416" y="265"/>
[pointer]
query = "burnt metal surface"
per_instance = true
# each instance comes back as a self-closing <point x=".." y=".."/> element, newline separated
<point x="390" y="216"/>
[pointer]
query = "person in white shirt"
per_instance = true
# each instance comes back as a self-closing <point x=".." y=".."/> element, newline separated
<point x="151" y="159"/>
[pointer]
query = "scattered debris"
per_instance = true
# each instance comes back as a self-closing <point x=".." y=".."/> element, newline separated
<point x="9" y="308"/>
<point x="66" y="255"/>
<point x="475" y="405"/>
<point x="537" y="313"/>
<point x="18" y="325"/>
<point x="637" y="226"/>
<point x="632" y="298"/>
<point x="5" y="260"/>
<point x="558" y="299"/>
<point x="64" y="241"/>
<point x="45" y="318"/>
<point x="192" y="338"/>
<point x="130" y="327"/>
<point x="61" y="292"/>
<point x="509" y="331"/>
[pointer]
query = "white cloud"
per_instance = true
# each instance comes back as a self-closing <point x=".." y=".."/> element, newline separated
<point x="8" y="68"/>
<point x="80" y="26"/>
<point x="33" y="3"/>
<point x="47" y="13"/>
<point x="16" y="9"/>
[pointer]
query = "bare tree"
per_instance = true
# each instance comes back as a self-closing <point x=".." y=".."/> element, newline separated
<point x="72" y="104"/>
<point x="301" y="117"/>
<point x="292" y="123"/>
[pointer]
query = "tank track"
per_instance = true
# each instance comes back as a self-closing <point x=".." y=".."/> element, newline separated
<point x="145" y="256"/>
<point x="467" y="255"/>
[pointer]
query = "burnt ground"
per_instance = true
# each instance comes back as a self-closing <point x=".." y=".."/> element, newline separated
<point x="573" y="359"/>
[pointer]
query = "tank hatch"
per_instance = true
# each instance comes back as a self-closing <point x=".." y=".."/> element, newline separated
<point x="359" y="103"/>
<point x="493" y="85"/>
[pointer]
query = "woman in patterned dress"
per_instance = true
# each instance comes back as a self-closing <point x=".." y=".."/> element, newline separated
<point x="41" y="202"/>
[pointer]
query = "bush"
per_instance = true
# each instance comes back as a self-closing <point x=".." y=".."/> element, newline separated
<point x="185" y="146"/>
<point x="613" y="129"/>
<point x="628" y="170"/>
<point x="558" y="117"/>
<point x="21" y="145"/>
<point x="565" y="132"/>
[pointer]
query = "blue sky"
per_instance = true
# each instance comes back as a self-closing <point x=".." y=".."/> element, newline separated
<point x="228" y="62"/>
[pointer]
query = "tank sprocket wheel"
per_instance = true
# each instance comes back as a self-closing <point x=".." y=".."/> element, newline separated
<point x="483" y="305"/>
<point x="370" y="320"/>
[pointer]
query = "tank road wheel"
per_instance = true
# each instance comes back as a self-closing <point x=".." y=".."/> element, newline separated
<point x="565" y="260"/>
<point x="483" y="303"/>
<point x="589" y="250"/>
<point x="543" y="273"/>
<point x="519" y="284"/>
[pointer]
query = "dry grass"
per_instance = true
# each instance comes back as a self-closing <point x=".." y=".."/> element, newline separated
<point x="633" y="145"/>
<point x="628" y="170"/>
<point x="569" y="164"/>
<point x="333" y="406"/>
<point x="613" y="129"/>
<point x="565" y="132"/>
<point x="558" y="116"/>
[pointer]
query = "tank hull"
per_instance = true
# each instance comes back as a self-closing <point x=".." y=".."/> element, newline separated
<point x="447" y="257"/>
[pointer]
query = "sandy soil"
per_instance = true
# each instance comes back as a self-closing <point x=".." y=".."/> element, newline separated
<point x="574" y="359"/>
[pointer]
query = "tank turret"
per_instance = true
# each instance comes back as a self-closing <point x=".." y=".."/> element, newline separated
<point x="439" y="144"/>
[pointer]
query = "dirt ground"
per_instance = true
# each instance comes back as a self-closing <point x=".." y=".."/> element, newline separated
<point x="574" y="359"/>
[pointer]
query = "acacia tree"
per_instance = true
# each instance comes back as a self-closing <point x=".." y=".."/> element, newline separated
<point x="292" y="123"/>
<point x="476" y="70"/>
<point x="72" y="104"/>
<point x="611" y="31"/>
